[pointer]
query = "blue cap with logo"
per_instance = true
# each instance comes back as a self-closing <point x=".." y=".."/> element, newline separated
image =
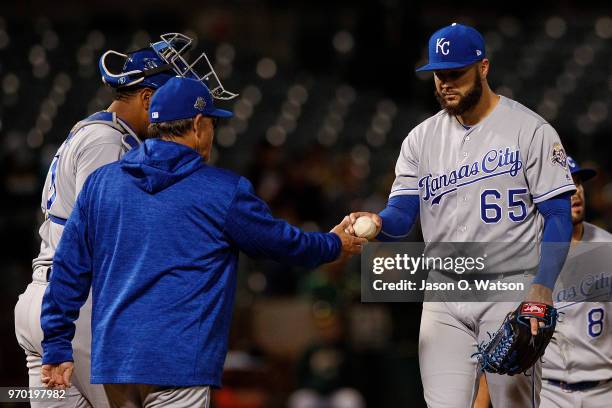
<point x="576" y="170"/>
<point x="183" y="98"/>
<point x="142" y="68"/>
<point x="454" y="46"/>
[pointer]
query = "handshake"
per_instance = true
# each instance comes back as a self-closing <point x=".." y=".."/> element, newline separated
<point x="355" y="230"/>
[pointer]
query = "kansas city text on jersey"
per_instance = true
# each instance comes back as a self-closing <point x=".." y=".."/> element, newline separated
<point x="494" y="163"/>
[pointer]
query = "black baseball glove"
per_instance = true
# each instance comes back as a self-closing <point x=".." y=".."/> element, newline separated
<point x="513" y="349"/>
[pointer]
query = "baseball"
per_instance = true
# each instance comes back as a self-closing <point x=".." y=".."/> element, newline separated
<point x="364" y="227"/>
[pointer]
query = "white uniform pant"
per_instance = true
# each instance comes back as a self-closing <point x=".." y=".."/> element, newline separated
<point x="29" y="336"/>
<point x="448" y="338"/>
<point x="596" y="397"/>
<point x="153" y="396"/>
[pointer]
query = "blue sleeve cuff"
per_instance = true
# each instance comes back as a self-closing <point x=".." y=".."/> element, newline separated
<point x="57" y="355"/>
<point x="336" y="248"/>
<point x="398" y="217"/>
<point x="556" y="238"/>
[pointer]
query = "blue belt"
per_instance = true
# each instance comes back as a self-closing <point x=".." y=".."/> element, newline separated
<point x="579" y="386"/>
<point x="57" y="220"/>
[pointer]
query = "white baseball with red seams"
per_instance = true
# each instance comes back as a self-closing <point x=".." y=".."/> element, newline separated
<point x="365" y="228"/>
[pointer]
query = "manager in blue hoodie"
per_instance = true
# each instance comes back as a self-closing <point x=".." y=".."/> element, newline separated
<point x="156" y="238"/>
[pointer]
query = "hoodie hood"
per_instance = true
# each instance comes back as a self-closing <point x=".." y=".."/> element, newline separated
<point x="157" y="164"/>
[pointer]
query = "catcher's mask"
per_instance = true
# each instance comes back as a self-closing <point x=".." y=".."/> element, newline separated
<point x="155" y="65"/>
<point x="172" y="48"/>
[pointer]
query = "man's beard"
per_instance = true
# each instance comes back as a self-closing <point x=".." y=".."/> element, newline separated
<point x="577" y="219"/>
<point x="467" y="101"/>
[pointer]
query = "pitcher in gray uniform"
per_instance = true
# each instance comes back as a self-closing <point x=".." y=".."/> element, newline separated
<point x="483" y="169"/>
<point x="577" y="366"/>
<point x="100" y="139"/>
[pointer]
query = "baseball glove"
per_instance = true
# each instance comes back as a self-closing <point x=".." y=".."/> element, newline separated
<point x="513" y="349"/>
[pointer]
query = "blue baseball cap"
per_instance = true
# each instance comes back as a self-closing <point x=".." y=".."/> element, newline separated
<point x="576" y="170"/>
<point x="183" y="98"/>
<point x="142" y="68"/>
<point x="455" y="46"/>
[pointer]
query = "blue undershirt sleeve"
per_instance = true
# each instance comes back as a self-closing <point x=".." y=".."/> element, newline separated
<point x="556" y="237"/>
<point x="398" y="217"/>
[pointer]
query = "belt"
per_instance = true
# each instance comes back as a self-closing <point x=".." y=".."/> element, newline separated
<point x="42" y="274"/>
<point x="579" y="386"/>
<point x="58" y="220"/>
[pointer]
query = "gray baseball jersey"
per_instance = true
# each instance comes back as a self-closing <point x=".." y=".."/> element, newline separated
<point x="98" y="140"/>
<point x="581" y="349"/>
<point x="481" y="184"/>
<point x="478" y="184"/>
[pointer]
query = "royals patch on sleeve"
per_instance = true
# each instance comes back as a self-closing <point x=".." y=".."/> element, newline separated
<point x="558" y="155"/>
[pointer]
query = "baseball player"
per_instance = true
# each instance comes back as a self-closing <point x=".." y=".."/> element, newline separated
<point x="577" y="366"/>
<point x="483" y="169"/>
<point x="156" y="236"/>
<point x="93" y="142"/>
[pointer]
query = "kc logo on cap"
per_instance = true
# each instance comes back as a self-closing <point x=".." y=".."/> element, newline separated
<point x="442" y="46"/>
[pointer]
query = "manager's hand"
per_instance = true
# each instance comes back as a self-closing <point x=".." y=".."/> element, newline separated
<point x="57" y="375"/>
<point x="351" y="244"/>
<point x="375" y="217"/>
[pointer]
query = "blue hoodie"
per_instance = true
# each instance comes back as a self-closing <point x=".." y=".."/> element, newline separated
<point x="156" y="236"/>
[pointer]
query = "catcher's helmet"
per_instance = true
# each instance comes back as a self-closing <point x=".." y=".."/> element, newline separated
<point x="142" y="67"/>
<point x="153" y="66"/>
